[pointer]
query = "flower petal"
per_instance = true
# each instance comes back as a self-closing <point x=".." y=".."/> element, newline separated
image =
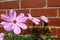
<point x="8" y="26"/>
<point x="1" y="38"/>
<point x="3" y="23"/>
<point x="44" y="19"/>
<point x="12" y="14"/>
<point x="22" y="25"/>
<point x="5" y="17"/>
<point x="36" y="22"/>
<point x="23" y="19"/>
<point x="1" y="35"/>
<point x="29" y="16"/>
<point x="35" y="19"/>
<point x="17" y="30"/>
<point x="20" y="15"/>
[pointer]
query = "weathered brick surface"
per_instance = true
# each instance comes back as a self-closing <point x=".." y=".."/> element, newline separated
<point x="2" y="29"/>
<point x="58" y="31"/>
<point x="9" y="5"/>
<point x="45" y="12"/>
<point x="22" y="11"/>
<point x="54" y="22"/>
<point x="59" y="12"/>
<point x="53" y="31"/>
<point x="53" y="3"/>
<point x="2" y="12"/>
<point x="32" y="3"/>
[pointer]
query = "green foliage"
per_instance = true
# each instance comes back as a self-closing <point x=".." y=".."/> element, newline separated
<point x="34" y="36"/>
<point x="29" y="37"/>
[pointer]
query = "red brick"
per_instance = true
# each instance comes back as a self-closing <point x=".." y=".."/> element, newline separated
<point x="58" y="31"/>
<point x="6" y="5"/>
<point x="53" y="3"/>
<point x="59" y="12"/>
<point x="32" y="3"/>
<point x="22" y="11"/>
<point x="2" y="12"/>
<point x="1" y="20"/>
<point x="45" y="12"/>
<point x="53" y="31"/>
<point x="54" y="22"/>
<point x="40" y="23"/>
<point x="2" y="29"/>
<point x="27" y="31"/>
<point x="29" y="23"/>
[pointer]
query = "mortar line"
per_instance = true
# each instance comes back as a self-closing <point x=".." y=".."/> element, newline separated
<point x="45" y="4"/>
<point x="8" y="0"/>
<point x="57" y="13"/>
<point x="44" y="8"/>
<point x="30" y="11"/>
<point x="19" y="4"/>
<point x="36" y="8"/>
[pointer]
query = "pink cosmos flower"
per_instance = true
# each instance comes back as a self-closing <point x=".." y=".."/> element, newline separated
<point x="14" y="23"/>
<point x="1" y="36"/>
<point x="34" y="20"/>
<point x="44" y="19"/>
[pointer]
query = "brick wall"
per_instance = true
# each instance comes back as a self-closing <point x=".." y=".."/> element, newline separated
<point x="49" y="8"/>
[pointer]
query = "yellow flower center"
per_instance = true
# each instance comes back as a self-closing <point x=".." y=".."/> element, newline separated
<point x="14" y="21"/>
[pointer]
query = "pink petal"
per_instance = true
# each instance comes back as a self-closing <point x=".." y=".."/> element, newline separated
<point x="1" y="35"/>
<point x="12" y="14"/>
<point x="17" y="30"/>
<point x="43" y="17"/>
<point x="8" y="27"/>
<point x="1" y="38"/>
<point x="36" y="22"/>
<point x="5" y="17"/>
<point x="29" y="16"/>
<point x="3" y="23"/>
<point x="46" y="21"/>
<point x="35" y="19"/>
<point x="22" y="25"/>
<point x="20" y="15"/>
<point x="23" y="19"/>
